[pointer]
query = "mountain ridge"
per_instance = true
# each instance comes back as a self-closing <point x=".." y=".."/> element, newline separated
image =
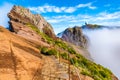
<point x="36" y="53"/>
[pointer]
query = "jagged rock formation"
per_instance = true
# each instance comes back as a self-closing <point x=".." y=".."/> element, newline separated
<point x="74" y="35"/>
<point x="21" y="18"/>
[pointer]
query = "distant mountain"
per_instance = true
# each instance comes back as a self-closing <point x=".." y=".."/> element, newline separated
<point x="31" y="51"/>
<point x="91" y="26"/>
<point x="74" y="35"/>
<point x="95" y="26"/>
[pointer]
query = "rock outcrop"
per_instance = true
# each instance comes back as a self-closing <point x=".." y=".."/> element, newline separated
<point x="21" y="18"/>
<point x="74" y="35"/>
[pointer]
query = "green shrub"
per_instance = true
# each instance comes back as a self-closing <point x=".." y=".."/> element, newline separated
<point x="47" y="51"/>
<point x="61" y="44"/>
<point x="85" y="72"/>
<point x="90" y="68"/>
<point x="71" y="51"/>
<point x="51" y="52"/>
<point x="44" y="50"/>
<point x="104" y="74"/>
<point x="73" y="61"/>
<point x="64" y="55"/>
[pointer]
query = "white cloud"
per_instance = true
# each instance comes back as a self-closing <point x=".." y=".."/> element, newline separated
<point x="102" y="18"/>
<point x="89" y="5"/>
<point x="70" y="10"/>
<point x="48" y="8"/>
<point x="4" y="9"/>
<point x="108" y="16"/>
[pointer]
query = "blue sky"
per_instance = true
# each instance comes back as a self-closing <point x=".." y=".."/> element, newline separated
<point x="68" y="13"/>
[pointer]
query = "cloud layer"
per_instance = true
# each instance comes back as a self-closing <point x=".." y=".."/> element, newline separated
<point x="48" y="8"/>
<point x="104" y="46"/>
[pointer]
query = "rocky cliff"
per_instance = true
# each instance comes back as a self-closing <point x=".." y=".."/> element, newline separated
<point x="21" y="18"/>
<point x="74" y="35"/>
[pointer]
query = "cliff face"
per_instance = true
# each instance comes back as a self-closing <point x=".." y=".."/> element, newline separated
<point x="21" y="18"/>
<point x="75" y="36"/>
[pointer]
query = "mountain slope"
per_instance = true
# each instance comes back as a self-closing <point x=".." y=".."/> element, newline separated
<point x="19" y="59"/>
<point x="30" y="53"/>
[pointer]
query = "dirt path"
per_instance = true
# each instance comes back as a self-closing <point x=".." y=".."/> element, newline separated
<point x="52" y="70"/>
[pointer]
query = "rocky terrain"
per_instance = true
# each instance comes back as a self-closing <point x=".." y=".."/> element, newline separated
<point x="21" y="18"/>
<point x="19" y="59"/>
<point x="74" y="35"/>
<point x="31" y="51"/>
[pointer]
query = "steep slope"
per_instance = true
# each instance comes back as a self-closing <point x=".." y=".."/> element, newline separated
<point x="19" y="59"/>
<point x="75" y="36"/>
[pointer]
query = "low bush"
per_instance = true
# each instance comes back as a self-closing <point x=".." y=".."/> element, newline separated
<point x="44" y="50"/>
<point x="47" y="51"/>
<point x="61" y="44"/>
<point x="64" y="55"/>
<point x="51" y="52"/>
<point x="71" y="51"/>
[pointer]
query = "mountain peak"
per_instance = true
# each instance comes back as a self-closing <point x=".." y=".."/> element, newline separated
<point x="21" y="18"/>
<point x="74" y="35"/>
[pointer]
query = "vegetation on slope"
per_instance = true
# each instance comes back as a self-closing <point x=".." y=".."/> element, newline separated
<point x="62" y="49"/>
<point x="44" y="36"/>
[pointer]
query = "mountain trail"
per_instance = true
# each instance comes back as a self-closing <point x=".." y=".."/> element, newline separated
<point x="53" y="70"/>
